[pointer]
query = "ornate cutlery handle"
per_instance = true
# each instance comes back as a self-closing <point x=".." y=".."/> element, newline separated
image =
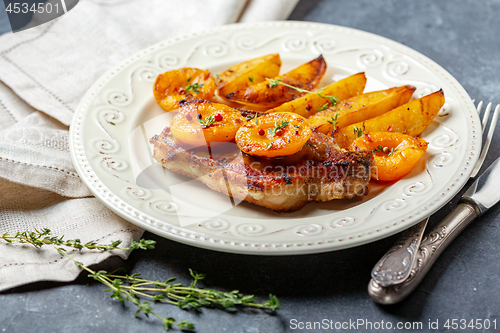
<point x="395" y="266"/>
<point x="430" y="249"/>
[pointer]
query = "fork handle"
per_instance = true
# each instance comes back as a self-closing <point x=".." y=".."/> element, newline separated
<point x="395" y="266"/>
<point x="433" y="244"/>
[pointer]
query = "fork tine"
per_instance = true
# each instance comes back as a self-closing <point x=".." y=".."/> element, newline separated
<point x="479" y="107"/>
<point x="489" y="137"/>
<point x="486" y="116"/>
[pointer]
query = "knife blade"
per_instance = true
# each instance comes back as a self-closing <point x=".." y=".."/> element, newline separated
<point x="480" y="196"/>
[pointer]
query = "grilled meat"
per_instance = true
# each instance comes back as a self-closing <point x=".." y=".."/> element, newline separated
<point x="320" y="171"/>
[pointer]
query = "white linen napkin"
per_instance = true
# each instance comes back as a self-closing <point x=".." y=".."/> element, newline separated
<point x="44" y="72"/>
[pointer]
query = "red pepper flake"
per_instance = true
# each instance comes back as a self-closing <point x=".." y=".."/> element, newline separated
<point x="308" y="107"/>
<point x="261" y="132"/>
<point x="368" y="137"/>
<point x="279" y="132"/>
<point x="182" y="91"/>
<point x="218" y="117"/>
<point x="283" y="89"/>
<point x="389" y="129"/>
<point x="188" y="117"/>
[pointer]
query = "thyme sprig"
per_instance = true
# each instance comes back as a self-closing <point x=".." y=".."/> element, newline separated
<point x="209" y="120"/>
<point x="133" y="288"/>
<point x="333" y="120"/>
<point x="39" y="238"/>
<point x="252" y="117"/>
<point x="379" y="149"/>
<point x="195" y="87"/>
<point x="386" y="150"/>
<point x="332" y="100"/>
<point x="123" y="294"/>
<point x="277" y="126"/>
<point x="357" y="131"/>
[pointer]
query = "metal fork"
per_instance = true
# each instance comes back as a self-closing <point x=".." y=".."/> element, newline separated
<point x="397" y="265"/>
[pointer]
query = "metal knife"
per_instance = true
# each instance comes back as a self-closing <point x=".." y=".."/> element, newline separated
<point x="481" y="196"/>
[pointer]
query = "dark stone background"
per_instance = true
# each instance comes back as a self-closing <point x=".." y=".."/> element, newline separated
<point x="461" y="36"/>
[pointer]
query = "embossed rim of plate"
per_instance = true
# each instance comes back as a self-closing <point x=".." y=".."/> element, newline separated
<point x="107" y="189"/>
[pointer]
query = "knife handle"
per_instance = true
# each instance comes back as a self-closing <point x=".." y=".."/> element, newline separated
<point x="433" y="244"/>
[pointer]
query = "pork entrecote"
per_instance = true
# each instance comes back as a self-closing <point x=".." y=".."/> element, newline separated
<point x="320" y="171"/>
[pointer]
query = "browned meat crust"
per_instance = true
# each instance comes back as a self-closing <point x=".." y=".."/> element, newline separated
<point x="319" y="172"/>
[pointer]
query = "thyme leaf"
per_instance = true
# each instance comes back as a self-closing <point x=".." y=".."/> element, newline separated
<point x="209" y="120"/>
<point x="195" y="87"/>
<point x="379" y="148"/>
<point x="137" y="290"/>
<point x="333" y="120"/>
<point x="332" y="100"/>
<point x="357" y="131"/>
<point x="277" y="126"/>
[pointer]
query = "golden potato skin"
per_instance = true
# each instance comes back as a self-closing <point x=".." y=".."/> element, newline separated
<point x="310" y="103"/>
<point x="173" y="86"/>
<point x="411" y="118"/>
<point x="306" y="76"/>
<point x="248" y="73"/>
<point x="361" y="108"/>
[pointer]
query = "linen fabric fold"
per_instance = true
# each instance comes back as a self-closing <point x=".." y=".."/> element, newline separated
<point x="44" y="72"/>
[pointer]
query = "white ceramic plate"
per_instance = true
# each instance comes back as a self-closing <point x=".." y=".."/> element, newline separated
<point x="110" y="148"/>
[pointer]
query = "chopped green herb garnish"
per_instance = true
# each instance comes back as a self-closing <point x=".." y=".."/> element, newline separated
<point x="392" y="151"/>
<point x="324" y="107"/>
<point x="194" y="87"/>
<point x="332" y="100"/>
<point x="379" y="148"/>
<point x="277" y="126"/>
<point x="274" y="83"/>
<point x="334" y="121"/>
<point x="357" y="131"/>
<point x="209" y="120"/>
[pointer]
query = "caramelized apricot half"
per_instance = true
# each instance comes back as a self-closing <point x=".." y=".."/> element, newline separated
<point x="183" y="84"/>
<point x="395" y="154"/>
<point x="274" y="134"/>
<point x="200" y="122"/>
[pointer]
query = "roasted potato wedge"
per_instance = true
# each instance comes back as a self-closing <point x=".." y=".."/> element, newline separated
<point x="265" y="95"/>
<point x="310" y="103"/>
<point x="183" y="84"/>
<point x="411" y="118"/>
<point x="360" y="108"/>
<point x="248" y="73"/>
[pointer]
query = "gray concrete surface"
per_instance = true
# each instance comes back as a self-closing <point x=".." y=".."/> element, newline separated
<point x="460" y="35"/>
